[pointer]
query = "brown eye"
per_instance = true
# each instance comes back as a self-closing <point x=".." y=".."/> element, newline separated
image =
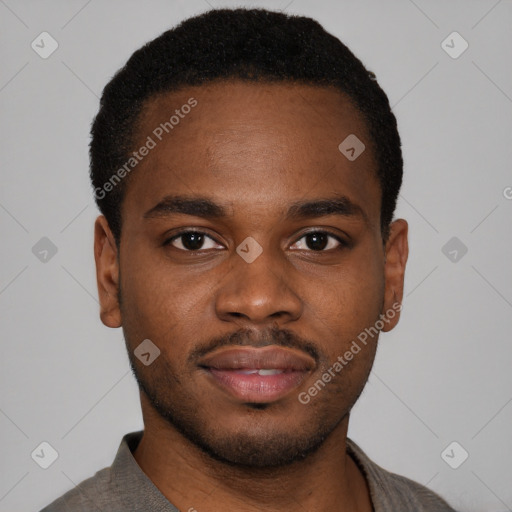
<point x="191" y="241"/>
<point x="320" y="241"/>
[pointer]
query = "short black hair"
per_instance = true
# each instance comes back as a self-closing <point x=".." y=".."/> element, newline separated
<point x="244" y="44"/>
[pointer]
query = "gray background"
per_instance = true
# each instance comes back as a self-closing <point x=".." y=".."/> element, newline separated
<point x="442" y="375"/>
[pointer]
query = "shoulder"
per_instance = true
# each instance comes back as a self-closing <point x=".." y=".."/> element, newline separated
<point x="91" y="495"/>
<point x="392" y="492"/>
<point x="411" y="494"/>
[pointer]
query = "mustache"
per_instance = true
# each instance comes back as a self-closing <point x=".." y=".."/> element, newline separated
<point x="252" y="338"/>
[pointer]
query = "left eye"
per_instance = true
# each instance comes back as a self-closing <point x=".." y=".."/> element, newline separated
<point x="320" y="241"/>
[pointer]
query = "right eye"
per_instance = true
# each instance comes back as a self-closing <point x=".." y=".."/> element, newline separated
<point x="190" y="241"/>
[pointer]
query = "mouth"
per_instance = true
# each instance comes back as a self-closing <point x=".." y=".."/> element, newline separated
<point x="257" y="375"/>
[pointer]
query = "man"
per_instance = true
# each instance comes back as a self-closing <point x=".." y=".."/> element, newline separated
<point x="247" y="167"/>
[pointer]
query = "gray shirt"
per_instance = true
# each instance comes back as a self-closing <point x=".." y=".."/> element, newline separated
<point x="124" y="487"/>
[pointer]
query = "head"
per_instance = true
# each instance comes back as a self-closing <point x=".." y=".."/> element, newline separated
<point x="247" y="168"/>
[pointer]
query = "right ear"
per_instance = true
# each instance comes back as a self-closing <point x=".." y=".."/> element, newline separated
<point x="107" y="273"/>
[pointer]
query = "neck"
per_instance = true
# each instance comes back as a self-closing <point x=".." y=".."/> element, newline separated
<point x="191" y="480"/>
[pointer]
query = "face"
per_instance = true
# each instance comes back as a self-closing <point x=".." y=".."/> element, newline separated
<point x="251" y="255"/>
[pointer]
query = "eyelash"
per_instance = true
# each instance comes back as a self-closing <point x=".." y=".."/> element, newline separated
<point x="342" y="243"/>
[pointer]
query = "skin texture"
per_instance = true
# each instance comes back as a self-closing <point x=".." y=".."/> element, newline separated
<point x="255" y="149"/>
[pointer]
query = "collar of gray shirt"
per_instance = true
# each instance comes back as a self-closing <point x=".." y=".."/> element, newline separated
<point x="124" y="486"/>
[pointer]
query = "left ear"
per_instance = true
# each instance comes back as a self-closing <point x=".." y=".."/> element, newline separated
<point x="397" y="251"/>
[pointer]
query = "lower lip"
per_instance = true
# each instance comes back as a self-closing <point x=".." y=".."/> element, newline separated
<point x="257" y="388"/>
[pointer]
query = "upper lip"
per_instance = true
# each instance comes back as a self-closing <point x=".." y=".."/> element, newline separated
<point x="269" y="357"/>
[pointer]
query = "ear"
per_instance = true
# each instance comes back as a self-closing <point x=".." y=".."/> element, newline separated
<point x="397" y="251"/>
<point x="107" y="273"/>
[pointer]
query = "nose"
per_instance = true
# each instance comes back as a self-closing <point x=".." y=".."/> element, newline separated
<point x="258" y="293"/>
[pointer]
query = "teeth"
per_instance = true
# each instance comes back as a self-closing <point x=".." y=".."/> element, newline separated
<point x="263" y="371"/>
<point x="269" y="372"/>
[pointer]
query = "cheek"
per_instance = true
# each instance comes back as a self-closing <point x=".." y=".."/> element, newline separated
<point x="348" y="306"/>
<point x="163" y="304"/>
<point x="145" y="306"/>
<point x="355" y="289"/>
<point x="367" y="281"/>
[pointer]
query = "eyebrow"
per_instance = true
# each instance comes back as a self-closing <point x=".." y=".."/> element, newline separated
<point x="204" y="207"/>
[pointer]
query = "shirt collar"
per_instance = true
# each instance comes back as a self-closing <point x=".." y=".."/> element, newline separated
<point x="138" y="492"/>
<point x="135" y="490"/>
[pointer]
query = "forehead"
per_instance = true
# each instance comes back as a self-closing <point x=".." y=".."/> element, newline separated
<point x="251" y="143"/>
